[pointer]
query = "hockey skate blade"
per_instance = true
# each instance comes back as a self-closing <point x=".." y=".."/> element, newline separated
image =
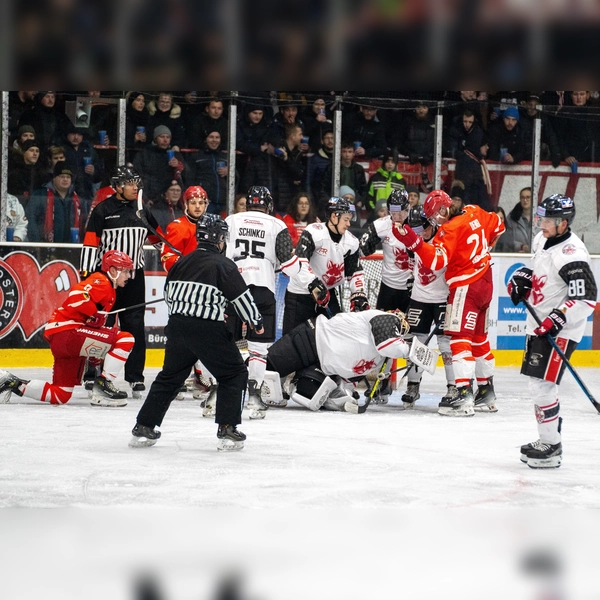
<point x="256" y="415"/>
<point x="107" y="402"/>
<point x="463" y="411"/>
<point x="136" y="395"/>
<point x="408" y="405"/>
<point x="141" y="442"/>
<point x="524" y="458"/>
<point x="486" y="408"/>
<point x="227" y="445"/>
<point x="544" y="463"/>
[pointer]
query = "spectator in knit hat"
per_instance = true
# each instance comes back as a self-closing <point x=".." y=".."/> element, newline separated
<point x="155" y="167"/>
<point x="384" y="181"/>
<point x="25" y="172"/>
<point x="47" y="120"/>
<point x="505" y="140"/>
<point x="56" y="209"/>
<point x="26" y="132"/>
<point x="414" y="197"/>
<point x="170" y="204"/>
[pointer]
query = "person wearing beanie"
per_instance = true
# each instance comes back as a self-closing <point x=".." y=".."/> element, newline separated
<point x="384" y="182"/>
<point x="48" y="121"/>
<point x="347" y="193"/>
<point x="56" y="213"/>
<point x="154" y="165"/>
<point x="414" y="197"/>
<point x="170" y="205"/>
<point x="26" y="132"/>
<point x="164" y="111"/>
<point x="137" y="133"/>
<point x="506" y="141"/>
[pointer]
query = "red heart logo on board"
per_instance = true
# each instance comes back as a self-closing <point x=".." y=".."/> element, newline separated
<point x="44" y="289"/>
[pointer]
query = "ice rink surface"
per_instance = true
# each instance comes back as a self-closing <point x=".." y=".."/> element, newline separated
<point x="77" y="455"/>
<point x="394" y="503"/>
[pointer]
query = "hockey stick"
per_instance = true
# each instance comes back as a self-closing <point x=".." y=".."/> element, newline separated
<point x="142" y="217"/>
<point x="426" y="343"/>
<point x="563" y="356"/>
<point x="114" y="312"/>
<point x="353" y="408"/>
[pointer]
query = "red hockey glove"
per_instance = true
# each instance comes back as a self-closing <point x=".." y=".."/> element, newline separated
<point x="552" y="324"/>
<point x="319" y="292"/>
<point x="519" y="286"/>
<point x="96" y="321"/>
<point x="359" y="302"/>
<point x="408" y="237"/>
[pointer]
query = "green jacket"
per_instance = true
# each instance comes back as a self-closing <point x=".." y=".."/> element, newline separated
<point x="382" y="184"/>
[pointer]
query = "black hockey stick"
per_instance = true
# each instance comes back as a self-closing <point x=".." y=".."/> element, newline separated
<point x="563" y="357"/>
<point x="354" y="408"/>
<point x="114" y="312"/>
<point x="142" y="217"/>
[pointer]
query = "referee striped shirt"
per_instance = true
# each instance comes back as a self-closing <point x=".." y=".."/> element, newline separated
<point x="114" y="225"/>
<point x="202" y="284"/>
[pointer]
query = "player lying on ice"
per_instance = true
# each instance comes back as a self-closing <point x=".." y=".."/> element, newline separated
<point x="327" y="353"/>
<point x="76" y="332"/>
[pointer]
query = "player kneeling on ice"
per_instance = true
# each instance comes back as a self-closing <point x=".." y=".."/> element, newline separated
<point x="326" y="353"/>
<point x="198" y="289"/>
<point x="561" y="289"/>
<point x="76" y="332"/>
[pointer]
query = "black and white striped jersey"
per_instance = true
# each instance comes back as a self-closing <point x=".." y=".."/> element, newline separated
<point x="202" y="283"/>
<point x="114" y="225"/>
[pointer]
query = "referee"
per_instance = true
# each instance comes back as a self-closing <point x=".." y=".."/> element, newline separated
<point x="198" y="289"/>
<point x="114" y="225"/>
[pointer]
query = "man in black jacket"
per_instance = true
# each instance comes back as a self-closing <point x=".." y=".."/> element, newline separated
<point x="506" y="140"/>
<point x="198" y="289"/>
<point x="364" y="127"/>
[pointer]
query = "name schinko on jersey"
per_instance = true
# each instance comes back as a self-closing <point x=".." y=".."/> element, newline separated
<point x="251" y="232"/>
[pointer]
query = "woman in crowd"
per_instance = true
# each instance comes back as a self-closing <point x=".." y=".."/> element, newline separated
<point x="239" y="203"/>
<point x="301" y="213"/>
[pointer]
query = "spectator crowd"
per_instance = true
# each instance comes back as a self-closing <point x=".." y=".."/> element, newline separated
<point x="58" y="166"/>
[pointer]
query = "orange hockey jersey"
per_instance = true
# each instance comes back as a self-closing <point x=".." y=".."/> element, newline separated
<point x="181" y="233"/>
<point x="85" y="299"/>
<point x="462" y="245"/>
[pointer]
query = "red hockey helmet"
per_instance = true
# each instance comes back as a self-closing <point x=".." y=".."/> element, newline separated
<point x="117" y="259"/>
<point x="195" y="191"/>
<point x="435" y="202"/>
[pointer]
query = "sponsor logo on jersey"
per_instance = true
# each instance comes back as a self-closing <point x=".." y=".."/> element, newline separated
<point x="475" y="224"/>
<point x="112" y="217"/>
<point x="569" y="249"/>
<point x="254" y="222"/>
<point x="363" y="366"/>
<point x="321" y="251"/>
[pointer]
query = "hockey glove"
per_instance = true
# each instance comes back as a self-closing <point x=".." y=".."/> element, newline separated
<point x="359" y="302"/>
<point x="552" y="324"/>
<point x="319" y="292"/>
<point x="519" y="286"/>
<point x="408" y="237"/>
<point x="96" y="321"/>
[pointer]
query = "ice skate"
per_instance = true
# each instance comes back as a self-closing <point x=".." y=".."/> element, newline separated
<point x="9" y="384"/>
<point x="411" y="395"/>
<point x="525" y="448"/>
<point x="201" y="386"/>
<point x="89" y="386"/>
<point x="229" y="438"/>
<point x="543" y="456"/>
<point x="461" y="406"/>
<point x="451" y="393"/>
<point x="143" y="436"/>
<point x="254" y="403"/>
<point x="209" y="404"/>
<point x="485" y="399"/>
<point x="104" y="393"/>
<point x="89" y="376"/>
<point x="181" y="392"/>
<point x="137" y="387"/>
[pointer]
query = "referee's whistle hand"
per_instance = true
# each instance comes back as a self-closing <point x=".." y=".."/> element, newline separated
<point x="260" y="331"/>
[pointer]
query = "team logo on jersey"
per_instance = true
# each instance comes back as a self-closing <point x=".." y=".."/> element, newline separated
<point x="30" y="293"/>
<point x="334" y="274"/>
<point x="426" y="275"/>
<point x="569" y="249"/>
<point x="537" y="283"/>
<point x="535" y="359"/>
<point x="402" y="259"/>
<point x="363" y="366"/>
<point x="539" y="414"/>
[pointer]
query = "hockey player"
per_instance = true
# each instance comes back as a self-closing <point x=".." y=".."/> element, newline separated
<point x="197" y="291"/>
<point x="427" y="307"/>
<point x="397" y="269"/>
<point x="462" y="245"/>
<point x="333" y="254"/>
<point x="347" y="346"/>
<point x="114" y="225"/>
<point x="561" y="289"/>
<point x="258" y="242"/>
<point x="77" y="331"/>
<point x="181" y="235"/>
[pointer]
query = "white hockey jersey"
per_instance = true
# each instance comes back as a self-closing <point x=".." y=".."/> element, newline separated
<point x="429" y="286"/>
<point x="562" y="278"/>
<point x="327" y="260"/>
<point x="398" y="265"/>
<point x="258" y="244"/>
<point x="350" y="344"/>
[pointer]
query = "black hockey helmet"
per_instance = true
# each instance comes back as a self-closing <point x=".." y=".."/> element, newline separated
<point x="308" y="381"/>
<point x="125" y="174"/>
<point x="339" y="206"/>
<point x="556" y="206"/>
<point x="259" y="196"/>
<point x="417" y="219"/>
<point x="211" y="229"/>
<point x="398" y="199"/>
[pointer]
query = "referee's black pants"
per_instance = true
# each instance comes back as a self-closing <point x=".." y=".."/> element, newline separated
<point x="190" y="339"/>
<point x="132" y="321"/>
